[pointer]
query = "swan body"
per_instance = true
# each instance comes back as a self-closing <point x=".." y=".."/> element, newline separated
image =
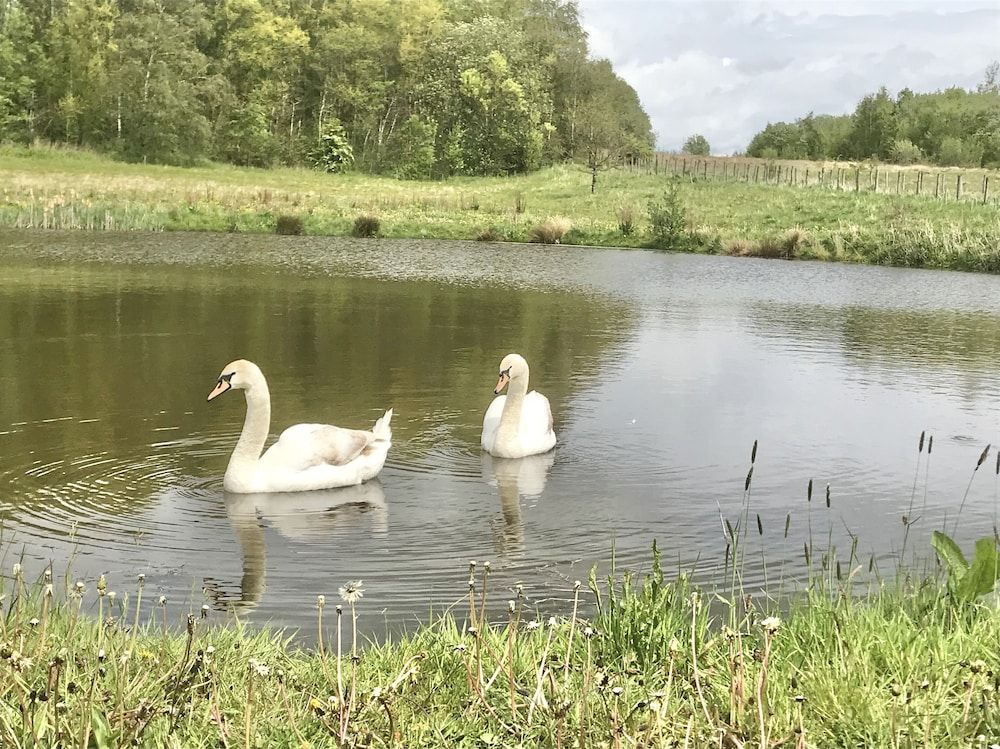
<point x="519" y="423"/>
<point x="306" y="456"/>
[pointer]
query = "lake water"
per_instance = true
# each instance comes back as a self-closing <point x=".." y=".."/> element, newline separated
<point x="661" y="370"/>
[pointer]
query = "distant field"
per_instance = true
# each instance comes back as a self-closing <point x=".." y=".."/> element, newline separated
<point x="43" y="188"/>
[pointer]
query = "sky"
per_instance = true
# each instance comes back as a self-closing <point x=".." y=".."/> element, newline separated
<point x="726" y="69"/>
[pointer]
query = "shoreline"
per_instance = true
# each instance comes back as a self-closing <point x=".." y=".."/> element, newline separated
<point x="83" y="192"/>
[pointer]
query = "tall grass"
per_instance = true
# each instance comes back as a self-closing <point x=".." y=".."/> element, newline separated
<point x="81" y="191"/>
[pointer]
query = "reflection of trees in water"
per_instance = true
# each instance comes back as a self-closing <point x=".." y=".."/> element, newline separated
<point x="961" y="346"/>
<point x="143" y="345"/>
<point x="303" y="517"/>
<point x="514" y="478"/>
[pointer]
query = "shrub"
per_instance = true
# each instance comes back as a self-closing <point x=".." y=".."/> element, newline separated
<point x="904" y="151"/>
<point x="626" y="220"/>
<point x="491" y="234"/>
<point x="668" y="221"/>
<point x="739" y="248"/>
<point x="289" y="224"/>
<point x="552" y="230"/>
<point x="333" y="152"/>
<point x="366" y="225"/>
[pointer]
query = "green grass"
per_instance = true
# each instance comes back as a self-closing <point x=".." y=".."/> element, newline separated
<point x="659" y="664"/>
<point x="53" y="188"/>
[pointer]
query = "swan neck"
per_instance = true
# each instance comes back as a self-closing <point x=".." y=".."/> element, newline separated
<point x="511" y="417"/>
<point x="255" y="426"/>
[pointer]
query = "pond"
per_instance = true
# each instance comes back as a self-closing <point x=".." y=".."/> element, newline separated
<point x="661" y="370"/>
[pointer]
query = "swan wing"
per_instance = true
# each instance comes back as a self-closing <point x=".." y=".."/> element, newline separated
<point x="491" y="421"/>
<point x="306" y="445"/>
<point x="537" y="434"/>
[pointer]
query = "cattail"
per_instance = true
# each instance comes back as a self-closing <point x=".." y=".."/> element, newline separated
<point x="788" y="522"/>
<point x="998" y="462"/>
<point x="753" y="453"/>
<point x="760" y="526"/>
<point x="921" y="448"/>
<point x="805" y="548"/>
<point x="871" y="563"/>
<point x="827" y="495"/>
<point x="809" y="491"/>
<point x="982" y="457"/>
<point x="930" y="444"/>
<point x="729" y="529"/>
<point x="746" y="484"/>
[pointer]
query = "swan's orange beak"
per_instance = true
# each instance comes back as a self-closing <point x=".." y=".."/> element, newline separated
<point x="501" y="383"/>
<point x="220" y="387"/>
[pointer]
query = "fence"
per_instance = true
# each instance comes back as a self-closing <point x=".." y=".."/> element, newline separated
<point x="976" y="186"/>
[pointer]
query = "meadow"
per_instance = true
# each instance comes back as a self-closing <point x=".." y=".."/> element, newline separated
<point x="63" y="189"/>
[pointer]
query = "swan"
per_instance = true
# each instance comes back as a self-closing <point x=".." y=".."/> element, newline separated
<point x="306" y="456"/>
<point x="519" y="423"/>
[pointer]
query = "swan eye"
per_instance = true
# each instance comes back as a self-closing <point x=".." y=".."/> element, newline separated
<point x="227" y="377"/>
<point x="505" y="372"/>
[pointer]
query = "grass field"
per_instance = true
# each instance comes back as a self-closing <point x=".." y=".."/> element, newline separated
<point x="660" y="664"/>
<point x="52" y="188"/>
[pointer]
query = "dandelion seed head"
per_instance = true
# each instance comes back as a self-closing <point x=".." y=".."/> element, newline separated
<point x="352" y="592"/>
<point x="511" y="606"/>
<point x="17" y="569"/>
<point x="163" y="601"/>
<point x="533" y="624"/>
<point x="771" y="624"/>
<point x="112" y="596"/>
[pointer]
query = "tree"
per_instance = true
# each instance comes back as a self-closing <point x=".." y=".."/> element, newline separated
<point x="991" y="79"/>
<point x="696" y="145"/>
<point x="333" y="153"/>
<point x="874" y="127"/>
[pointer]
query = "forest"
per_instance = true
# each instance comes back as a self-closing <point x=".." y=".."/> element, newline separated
<point x="954" y="127"/>
<point x="407" y="88"/>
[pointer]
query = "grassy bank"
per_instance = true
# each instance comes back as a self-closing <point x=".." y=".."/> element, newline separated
<point x="660" y="664"/>
<point x="76" y="190"/>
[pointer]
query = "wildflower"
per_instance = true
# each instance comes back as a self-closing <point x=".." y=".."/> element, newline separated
<point x="472" y="565"/>
<point x="616" y="691"/>
<point x="204" y="611"/>
<point x="799" y="698"/>
<point x="771" y="624"/>
<point x="352" y="592"/>
<point x="472" y="631"/>
<point x="101" y="655"/>
<point x="320" y="602"/>
<point x="511" y="606"/>
<point x="675" y="646"/>
<point x="576" y="585"/>
<point x="486" y="566"/>
<point x="259" y="668"/>
<point x="977" y="666"/>
<point x="33" y="622"/>
<point x="141" y="578"/>
<point x="533" y="624"/>
<point x="102" y="586"/>
<point x="588" y="631"/>
<point x="552" y="621"/>
<point x="162" y="601"/>
<point x="377" y="693"/>
<point x="80" y="587"/>
<point x="17" y="569"/>
<point x="210" y="649"/>
<point x="460" y="648"/>
<point x="112" y="596"/>
<point x="48" y="590"/>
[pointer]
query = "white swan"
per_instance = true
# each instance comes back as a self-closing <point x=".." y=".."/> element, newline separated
<point x="306" y="456"/>
<point x="519" y="423"/>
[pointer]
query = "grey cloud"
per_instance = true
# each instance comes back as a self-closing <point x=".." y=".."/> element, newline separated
<point x="727" y="68"/>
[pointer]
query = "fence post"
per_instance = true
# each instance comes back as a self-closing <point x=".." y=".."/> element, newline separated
<point x="986" y="187"/>
<point x="857" y="179"/>
<point x="958" y="187"/>
<point x="920" y="181"/>
<point x="937" y="185"/>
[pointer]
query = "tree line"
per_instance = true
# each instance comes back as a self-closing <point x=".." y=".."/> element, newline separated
<point x="954" y="127"/>
<point x="412" y="88"/>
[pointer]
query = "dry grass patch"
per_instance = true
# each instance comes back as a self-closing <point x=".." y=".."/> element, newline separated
<point x="552" y="230"/>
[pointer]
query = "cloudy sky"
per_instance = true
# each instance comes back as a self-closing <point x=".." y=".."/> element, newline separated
<point x="725" y="69"/>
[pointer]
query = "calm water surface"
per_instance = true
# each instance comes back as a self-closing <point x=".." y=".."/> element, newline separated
<point x="661" y="369"/>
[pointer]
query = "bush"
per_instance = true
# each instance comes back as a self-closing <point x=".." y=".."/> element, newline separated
<point x="366" y="225"/>
<point x="489" y="235"/>
<point x="411" y="149"/>
<point x="903" y="151"/>
<point x="552" y="230"/>
<point x="333" y="152"/>
<point x="668" y="221"/>
<point x="626" y="220"/>
<point x="287" y="224"/>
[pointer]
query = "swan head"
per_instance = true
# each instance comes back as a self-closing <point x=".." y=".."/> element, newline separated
<point x="240" y="374"/>
<point x="512" y="367"/>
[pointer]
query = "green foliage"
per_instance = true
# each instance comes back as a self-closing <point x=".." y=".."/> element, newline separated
<point x="289" y="225"/>
<point x="903" y="151"/>
<point x="421" y="88"/>
<point x="668" y="220"/>
<point x="697" y="145"/>
<point x="333" y="153"/>
<point x="967" y="582"/>
<point x="366" y="225"/>
<point x="953" y="127"/>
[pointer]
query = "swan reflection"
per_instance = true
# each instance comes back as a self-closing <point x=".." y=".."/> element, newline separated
<point x="303" y="517"/>
<point x="514" y="478"/>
